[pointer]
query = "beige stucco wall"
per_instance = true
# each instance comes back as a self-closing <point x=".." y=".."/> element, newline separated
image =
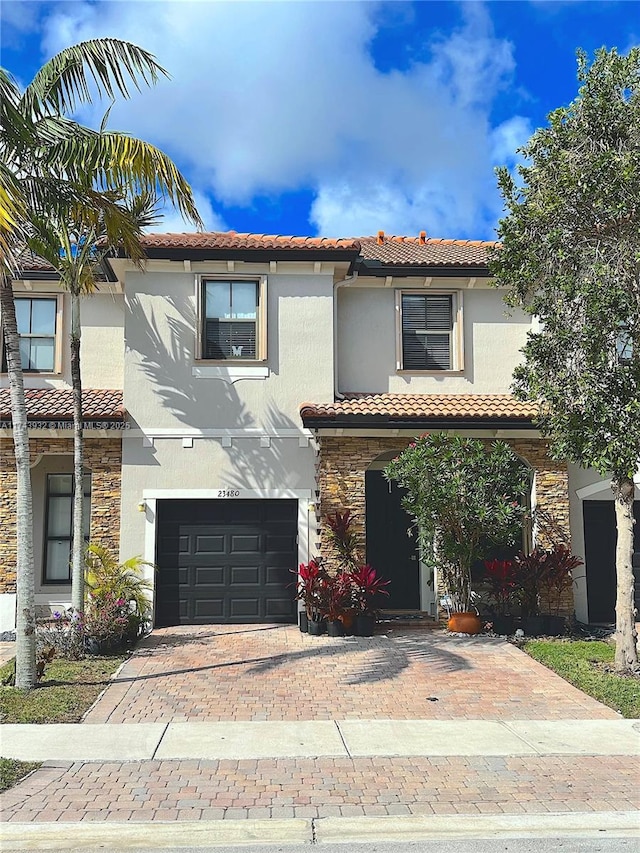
<point x="160" y="388"/>
<point x="367" y="341"/>
<point x="102" y="348"/>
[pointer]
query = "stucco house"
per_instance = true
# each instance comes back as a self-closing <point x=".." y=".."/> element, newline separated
<point x="244" y="386"/>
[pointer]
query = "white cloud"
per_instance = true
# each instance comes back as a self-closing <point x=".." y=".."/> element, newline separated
<point x="172" y="221"/>
<point x="273" y="97"/>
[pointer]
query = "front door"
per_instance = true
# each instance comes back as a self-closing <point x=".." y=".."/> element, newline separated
<point x="391" y="552"/>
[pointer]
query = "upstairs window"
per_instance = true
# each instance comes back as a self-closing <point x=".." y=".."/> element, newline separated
<point x="232" y="319"/>
<point x="429" y="331"/>
<point x="37" y="321"/>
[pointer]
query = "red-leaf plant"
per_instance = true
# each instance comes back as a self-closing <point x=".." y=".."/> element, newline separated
<point x="559" y="575"/>
<point x="311" y="588"/>
<point x="501" y="577"/>
<point x="344" y="538"/>
<point x="366" y="585"/>
<point x="337" y="595"/>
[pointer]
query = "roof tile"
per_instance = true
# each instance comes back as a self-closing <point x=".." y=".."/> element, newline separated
<point x="413" y="251"/>
<point x="57" y="404"/>
<point x="422" y="407"/>
<point x="234" y="240"/>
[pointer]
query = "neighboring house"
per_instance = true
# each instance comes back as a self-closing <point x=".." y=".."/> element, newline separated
<point x="244" y="386"/>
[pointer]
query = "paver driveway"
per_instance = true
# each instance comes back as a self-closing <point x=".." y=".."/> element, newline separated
<point x="246" y="672"/>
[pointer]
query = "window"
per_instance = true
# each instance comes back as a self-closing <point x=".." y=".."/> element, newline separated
<point x="37" y="321"/>
<point x="429" y="331"/>
<point x="58" y="533"/>
<point x="624" y="346"/>
<point x="232" y="319"/>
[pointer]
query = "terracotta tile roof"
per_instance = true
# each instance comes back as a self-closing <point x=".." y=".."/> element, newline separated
<point x="422" y="407"/>
<point x="233" y="240"/>
<point x="57" y="404"/>
<point x="414" y="251"/>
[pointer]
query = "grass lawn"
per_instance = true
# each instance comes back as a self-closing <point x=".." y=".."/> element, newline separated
<point x="588" y="665"/>
<point x="12" y="771"/>
<point x="67" y="690"/>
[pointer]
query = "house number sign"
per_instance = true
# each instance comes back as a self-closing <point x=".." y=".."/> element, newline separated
<point x="228" y="493"/>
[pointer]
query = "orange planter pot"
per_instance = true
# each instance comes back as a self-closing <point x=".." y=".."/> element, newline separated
<point x="465" y="623"/>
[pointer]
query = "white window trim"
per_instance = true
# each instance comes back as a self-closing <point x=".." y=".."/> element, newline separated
<point x="261" y="322"/>
<point x="457" y="333"/>
<point x="57" y="344"/>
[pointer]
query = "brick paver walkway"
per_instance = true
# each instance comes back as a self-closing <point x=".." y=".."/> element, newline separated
<point x="314" y="788"/>
<point x="276" y="673"/>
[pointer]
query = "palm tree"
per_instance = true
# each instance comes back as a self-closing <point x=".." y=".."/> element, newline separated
<point x="75" y="244"/>
<point x="44" y="160"/>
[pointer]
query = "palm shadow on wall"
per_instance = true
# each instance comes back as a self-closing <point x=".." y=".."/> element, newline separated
<point x="166" y="360"/>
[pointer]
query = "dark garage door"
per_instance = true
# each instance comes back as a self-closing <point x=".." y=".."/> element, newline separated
<point x="225" y="561"/>
<point x="600" y="555"/>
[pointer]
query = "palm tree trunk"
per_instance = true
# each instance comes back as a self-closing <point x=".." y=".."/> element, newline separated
<point x="25" y="574"/>
<point x="77" y="552"/>
<point x="626" y="636"/>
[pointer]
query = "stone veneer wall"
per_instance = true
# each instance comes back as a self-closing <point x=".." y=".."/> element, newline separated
<point x="103" y="457"/>
<point x="343" y="462"/>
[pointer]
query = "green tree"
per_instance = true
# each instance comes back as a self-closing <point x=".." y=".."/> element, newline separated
<point x="570" y="256"/>
<point x="464" y="496"/>
<point x="45" y="158"/>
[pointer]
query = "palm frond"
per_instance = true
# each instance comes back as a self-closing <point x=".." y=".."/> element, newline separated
<point x="109" y="64"/>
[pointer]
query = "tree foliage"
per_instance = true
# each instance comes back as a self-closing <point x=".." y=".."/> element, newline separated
<point x="570" y="255"/>
<point x="464" y="496"/>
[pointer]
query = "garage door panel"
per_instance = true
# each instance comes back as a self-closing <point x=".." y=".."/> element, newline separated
<point x="244" y="576"/>
<point x="208" y="576"/>
<point x="208" y="608"/>
<point x="209" y="544"/>
<point x="226" y="561"/>
<point x="240" y="544"/>
<point x="246" y="608"/>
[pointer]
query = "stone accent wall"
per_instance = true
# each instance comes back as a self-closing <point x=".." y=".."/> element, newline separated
<point x="343" y="462"/>
<point x="103" y="457"/>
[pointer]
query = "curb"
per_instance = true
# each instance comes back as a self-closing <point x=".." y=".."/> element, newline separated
<point x="86" y="837"/>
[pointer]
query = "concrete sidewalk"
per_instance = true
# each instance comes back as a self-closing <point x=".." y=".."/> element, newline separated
<point x="321" y="738"/>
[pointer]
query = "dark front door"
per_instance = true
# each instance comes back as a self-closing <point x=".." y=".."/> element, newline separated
<point x="225" y="561"/>
<point x="600" y="558"/>
<point x="389" y="549"/>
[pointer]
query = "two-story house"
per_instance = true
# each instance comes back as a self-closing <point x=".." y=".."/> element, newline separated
<point x="244" y="386"/>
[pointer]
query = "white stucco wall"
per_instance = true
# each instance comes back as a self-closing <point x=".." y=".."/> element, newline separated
<point x="595" y="488"/>
<point x="367" y="342"/>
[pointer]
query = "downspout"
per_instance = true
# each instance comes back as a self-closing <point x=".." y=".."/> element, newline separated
<point x="345" y="282"/>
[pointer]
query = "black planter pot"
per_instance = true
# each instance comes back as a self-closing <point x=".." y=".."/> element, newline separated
<point x="317" y="628"/>
<point x="503" y="625"/>
<point x="556" y="625"/>
<point x="534" y="626"/>
<point x="365" y="625"/>
<point x="335" y="628"/>
<point x="303" y="622"/>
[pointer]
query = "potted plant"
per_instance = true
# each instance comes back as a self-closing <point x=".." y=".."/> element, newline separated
<point x="558" y="578"/>
<point x="531" y="570"/>
<point x="311" y="590"/>
<point x="366" y="586"/>
<point x="108" y="581"/>
<point x="337" y="596"/>
<point x="340" y="524"/>
<point x="500" y="575"/>
<point x="463" y="496"/>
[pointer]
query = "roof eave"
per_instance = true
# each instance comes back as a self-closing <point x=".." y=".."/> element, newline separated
<point x="177" y="253"/>
<point x="378" y="268"/>
<point x="390" y="422"/>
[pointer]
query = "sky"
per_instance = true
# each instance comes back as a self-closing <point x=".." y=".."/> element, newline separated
<point x="335" y="118"/>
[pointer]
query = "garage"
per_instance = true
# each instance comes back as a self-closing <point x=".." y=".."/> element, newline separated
<point x="225" y="561"/>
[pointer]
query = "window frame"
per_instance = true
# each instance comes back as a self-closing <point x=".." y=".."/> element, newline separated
<point x="456" y="334"/>
<point x="57" y="335"/>
<point x="46" y="538"/>
<point x="260" y="321"/>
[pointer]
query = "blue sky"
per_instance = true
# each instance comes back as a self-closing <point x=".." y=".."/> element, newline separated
<point x="336" y="118"/>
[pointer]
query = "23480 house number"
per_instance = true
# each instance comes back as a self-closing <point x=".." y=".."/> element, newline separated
<point x="228" y="493"/>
